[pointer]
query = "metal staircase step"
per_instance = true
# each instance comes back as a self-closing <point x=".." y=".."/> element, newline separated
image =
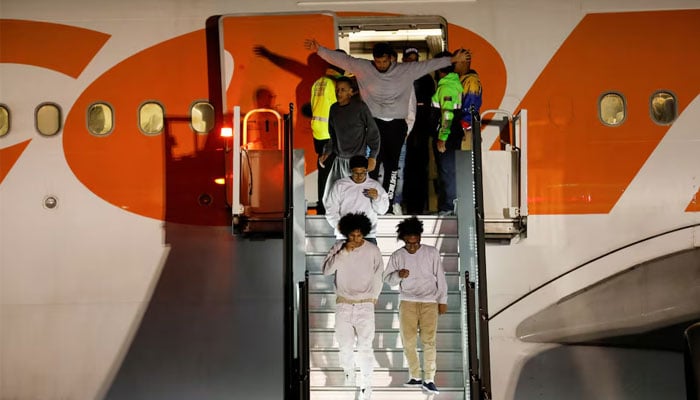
<point x="343" y="393"/>
<point x="384" y="358"/>
<point x="386" y="225"/>
<point x="444" y="243"/>
<point x="383" y="319"/>
<point x="387" y="338"/>
<point x="319" y="282"/>
<point x="388" y="300"/>
<point x="450" y="262"/>
<point x="384" y="377"/>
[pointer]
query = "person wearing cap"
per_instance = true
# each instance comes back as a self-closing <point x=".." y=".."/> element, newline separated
<point x="471" y="93"/>
<point x="356" y="193"/>
<point x="386" y="87"/>
<point x="357" y="265"/>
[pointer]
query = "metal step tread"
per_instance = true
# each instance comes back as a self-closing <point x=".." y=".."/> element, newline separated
<point x="315" y="291"/>
<point x="320" y="273"/>
<point x="376" y="389"/>
<point x="386" y="235"/>
<point x="382" y="311"/>
<point x="379" y="370"/>
<point x="382" y="349"/>
<point x="379" y="330"/>
<point x="427" y="217"/>
<point x="384" y="253"/>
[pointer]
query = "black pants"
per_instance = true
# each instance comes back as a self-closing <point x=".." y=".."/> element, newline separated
<point x="392" y="134"/>
<point x="322" y="176"/>
<point x="415" y="171"/>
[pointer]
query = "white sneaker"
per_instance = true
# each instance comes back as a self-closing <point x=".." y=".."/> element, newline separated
<point x="349" y="378"/>
<point x="366" y="393"/>
<point x="396" y="209"/>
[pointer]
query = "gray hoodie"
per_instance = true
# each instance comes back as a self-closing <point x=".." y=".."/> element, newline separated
<point x="386" y="93"/>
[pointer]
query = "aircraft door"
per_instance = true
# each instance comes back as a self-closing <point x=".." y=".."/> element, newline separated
<point x="265" y="67"/>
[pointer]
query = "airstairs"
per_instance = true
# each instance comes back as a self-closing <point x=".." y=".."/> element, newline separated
<point x="311" y="359"/>
<point x="391" y="369"/>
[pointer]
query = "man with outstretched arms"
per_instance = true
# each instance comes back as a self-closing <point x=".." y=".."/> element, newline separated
<point x="418" y="271"/>
<point x="357" y="265"/>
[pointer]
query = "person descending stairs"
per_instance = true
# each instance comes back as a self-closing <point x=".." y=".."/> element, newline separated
<point x="390" y="379"/>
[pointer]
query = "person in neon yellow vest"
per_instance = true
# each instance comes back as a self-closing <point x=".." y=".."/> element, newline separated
<point x="322" y="98"/>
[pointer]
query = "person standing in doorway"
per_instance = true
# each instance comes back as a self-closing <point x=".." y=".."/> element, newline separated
<point x="447" y="101"/>
<point x="415" y="172"/>
<point x="322" y="98"/>
<point x="352" y="132"/>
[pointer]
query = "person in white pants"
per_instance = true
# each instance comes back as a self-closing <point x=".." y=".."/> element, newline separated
<point x="358" y="267"/>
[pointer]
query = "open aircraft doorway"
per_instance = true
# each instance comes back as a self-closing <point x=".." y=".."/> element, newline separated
<point x="427" y="34"/>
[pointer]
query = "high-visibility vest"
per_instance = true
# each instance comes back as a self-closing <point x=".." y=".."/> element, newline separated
<point x="322" y="98"/>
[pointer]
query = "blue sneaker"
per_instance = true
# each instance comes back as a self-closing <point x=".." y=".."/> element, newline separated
<point x="413" y="383"/>
<point x="430" y="388"/>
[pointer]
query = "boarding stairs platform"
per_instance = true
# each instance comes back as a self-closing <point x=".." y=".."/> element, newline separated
<point x="391" y="369"/>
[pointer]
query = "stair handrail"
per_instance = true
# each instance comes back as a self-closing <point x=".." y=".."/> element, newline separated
<point x="292" y="381"/>
<point x="471" y="377"/>
<point x="691" y="356"/>
<point x="303" y="344"/>
<point x="484" y="362"/>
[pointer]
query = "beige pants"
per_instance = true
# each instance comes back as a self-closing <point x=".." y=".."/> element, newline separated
<point x="414" y="316"/>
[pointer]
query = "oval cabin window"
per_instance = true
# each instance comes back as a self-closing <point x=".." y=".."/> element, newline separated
<point x="48" y="119"/>
<point x="202" y="117"/>
<point x="612" y="109"/>
<point x="151" y="116"/>
<point x="663" y="108"/>
<point x="100" y="119"/>
<point x="4" y="120"/>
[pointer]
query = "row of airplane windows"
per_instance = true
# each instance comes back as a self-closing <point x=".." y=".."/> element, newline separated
<point x="612" y="110"/>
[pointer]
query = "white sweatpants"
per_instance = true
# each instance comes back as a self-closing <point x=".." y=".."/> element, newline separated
<point x="356" y="321"/>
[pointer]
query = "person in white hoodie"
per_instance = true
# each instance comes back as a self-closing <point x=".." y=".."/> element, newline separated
<point x="356" y="193"/>
<point x="358" y="267"/>
<point x="418" y="271"/>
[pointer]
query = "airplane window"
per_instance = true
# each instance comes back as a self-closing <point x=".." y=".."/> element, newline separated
<point x="100" y="119"/>
<point x="151" y="117"/>
<point x="612" y="109"/>
<point x="663" y="107"/>
<point x="4" y="120"/>
<point x="202" y="115"/>
<point x="48" y="119"/>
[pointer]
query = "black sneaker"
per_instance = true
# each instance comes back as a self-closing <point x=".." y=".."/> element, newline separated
<point x="366" y="393"/>
<point x="430" y="388"/>
<point x="413" y="383"/>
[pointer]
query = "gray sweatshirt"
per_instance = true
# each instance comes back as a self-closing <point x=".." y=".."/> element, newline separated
<point x="352" y="130"/>
<point x="386" y="93"/>
<point x="426" y="281"/>
<point x="358" y="273"/>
